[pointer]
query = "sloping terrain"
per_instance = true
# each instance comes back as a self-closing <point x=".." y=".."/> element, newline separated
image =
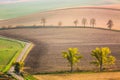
<point x="9" y="51"/>
<point x="115" y="6"/>
<point x="50" y="42"/>
<point x="68" y="16"/>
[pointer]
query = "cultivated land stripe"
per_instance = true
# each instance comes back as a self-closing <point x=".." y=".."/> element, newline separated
<point x="97" y="44"/>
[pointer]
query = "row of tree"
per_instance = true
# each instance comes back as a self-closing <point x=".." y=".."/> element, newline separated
<point x="84" y="22"/>
<point x="102" y="57"/>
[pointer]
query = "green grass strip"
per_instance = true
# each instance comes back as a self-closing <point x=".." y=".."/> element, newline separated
<point x="13" y="59"/>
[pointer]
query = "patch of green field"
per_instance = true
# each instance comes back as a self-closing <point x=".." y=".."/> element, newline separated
<point x="9" y="51"/>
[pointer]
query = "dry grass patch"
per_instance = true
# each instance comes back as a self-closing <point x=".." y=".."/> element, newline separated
<point x="78" y="76"/>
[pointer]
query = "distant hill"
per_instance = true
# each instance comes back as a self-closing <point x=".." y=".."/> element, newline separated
<point x="16" y="8"/>
<point x="115" y="6"/>
<point x="67" y="16"/>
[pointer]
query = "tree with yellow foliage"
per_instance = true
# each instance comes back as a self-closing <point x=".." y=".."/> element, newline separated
<point x="102" y="57"/>
<point x="73" y="56"/>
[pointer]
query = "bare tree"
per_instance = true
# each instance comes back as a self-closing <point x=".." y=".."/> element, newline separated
<point x="110" y="24"/>
<point x="92" y="22"/>
<point x="59" y="23"/>
<point x="34" y="25"/>
<point x="84" y="21"/>
<point x="75" y="22"/>
<point x="43" y="21"/>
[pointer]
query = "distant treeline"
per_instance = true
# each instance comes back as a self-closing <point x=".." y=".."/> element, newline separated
<point x="84" y="22"/>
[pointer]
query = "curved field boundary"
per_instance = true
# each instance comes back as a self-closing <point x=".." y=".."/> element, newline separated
<point x="13" y="40"/>
<point x="85" y="8"/>
<point x="21" y="57"/>
<point x="29" y="48"/>
<point x="7" y="67"/>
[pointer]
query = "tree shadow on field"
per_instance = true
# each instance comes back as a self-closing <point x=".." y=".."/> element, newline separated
<point x="34" y="58"/>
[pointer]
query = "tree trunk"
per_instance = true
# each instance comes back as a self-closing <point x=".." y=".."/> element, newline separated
<point x="93" y="25"/>
<point x="44" y="24"/>
<point x="101" y="68"/>
<point x="71" y="67"/>
<point x="84" y="25"/>
<point x="76" y="25"/>
<point x="101" y="62"/>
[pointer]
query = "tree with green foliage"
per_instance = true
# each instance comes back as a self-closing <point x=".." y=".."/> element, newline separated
<point x="18" y="66"/>
<point x="102" y="57"/>
<point x="73" y="56"/>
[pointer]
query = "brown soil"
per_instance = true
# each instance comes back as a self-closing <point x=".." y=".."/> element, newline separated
<point x="50" y="42"/>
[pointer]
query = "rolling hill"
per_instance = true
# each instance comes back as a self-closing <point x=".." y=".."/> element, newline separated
<point x="50" y="42"/>
<point x="67" y="16"/>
